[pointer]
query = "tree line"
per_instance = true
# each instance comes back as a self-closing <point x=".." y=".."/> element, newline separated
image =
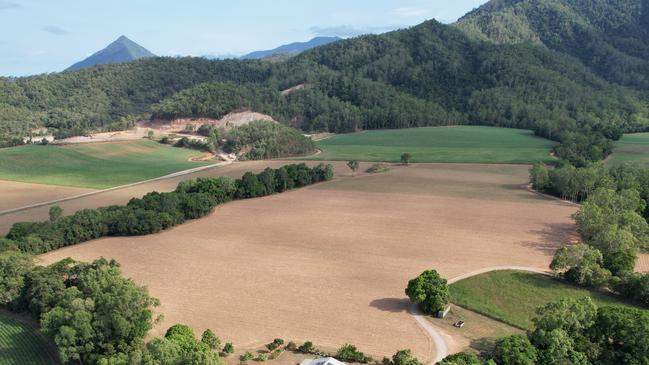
<point x="612" y="223"/>
<point x="156" y="211"/>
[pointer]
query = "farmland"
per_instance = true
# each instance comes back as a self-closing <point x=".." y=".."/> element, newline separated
<point x="632" y="148"/>
<point x="462" y="144"/>
<point x="20" y="344"/>
<point x="512" y="297"/>
<point x="309" y="266"/>
<point x="97" y="165"/>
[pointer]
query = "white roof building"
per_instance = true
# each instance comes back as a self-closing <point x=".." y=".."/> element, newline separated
<point x="322" y="361"/>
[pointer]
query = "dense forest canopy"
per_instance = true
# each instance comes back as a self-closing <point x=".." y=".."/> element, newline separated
<point x="573" y="71"/>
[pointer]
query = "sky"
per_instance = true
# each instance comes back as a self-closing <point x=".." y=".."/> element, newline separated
<point x="40" y="36"/>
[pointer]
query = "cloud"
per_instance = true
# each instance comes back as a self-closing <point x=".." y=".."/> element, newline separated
<point x="53" y="29"/>
<point x="350" y="31"/>
<point x="8" y="5"/>
<point x="410" y="12"/>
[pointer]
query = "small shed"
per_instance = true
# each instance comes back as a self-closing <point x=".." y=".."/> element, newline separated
<point x="322" y="361"/>
<point x="443" y="313"/>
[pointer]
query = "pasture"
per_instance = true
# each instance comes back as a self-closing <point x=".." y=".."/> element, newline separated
<point x="21" y="344"/>
<point x="632" y="148"/>
<point x="512" y="296"/>
<point x="461" y="144"/>
<point x="96" y="165"/>
<point x="329" y="263"/>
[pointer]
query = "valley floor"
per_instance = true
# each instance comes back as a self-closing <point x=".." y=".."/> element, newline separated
<point x="329" y="263"/>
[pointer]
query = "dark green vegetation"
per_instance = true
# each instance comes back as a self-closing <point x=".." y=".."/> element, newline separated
<point x="264" y="140"/>
<point x="513" y="297"/>
<point x="449" y="144"/>
<point x="20" y="344"/>
<point x="96" y="165"/>
<point x="428" y="75"/>
<point x="612" y="224"/>
<point x="632" y="148"/>
<point x="609" y="37"/>
<point x="572" y="331"/>
<point x="92" y="313"/>
<point x="122" y="50"/>
<point x="429" y="291"/>
<point x="157" y="211"/>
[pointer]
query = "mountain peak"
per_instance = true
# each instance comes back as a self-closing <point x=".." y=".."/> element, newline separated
<point x="121" y="50"/>
<point x="292" y="48"/>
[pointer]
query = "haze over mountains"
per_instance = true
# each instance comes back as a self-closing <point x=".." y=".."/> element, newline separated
<point x="291" y="49"/>
<point x="121" y="50"/>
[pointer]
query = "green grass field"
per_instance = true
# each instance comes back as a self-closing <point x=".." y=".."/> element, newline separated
<point x="462" y="144"/>
<point x="97" y="165"/>
<point x="512" y="297"/>
<point x="21" y="345"/>
<point x="632" y="148"/>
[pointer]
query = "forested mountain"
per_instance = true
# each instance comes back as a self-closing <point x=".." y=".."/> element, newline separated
<point x="291" y="48"/>
<point x="121" y="50"/>
<point x="431" y="74"/>
<point x="609" y="36"/>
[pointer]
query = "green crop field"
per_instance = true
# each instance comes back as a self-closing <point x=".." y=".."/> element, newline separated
<point x="462" y="144"/>
<point x="97" y="165"/>
<point x="20" y="344"/>
<point x="512" y="297"/>
<point x="632" y="148"/>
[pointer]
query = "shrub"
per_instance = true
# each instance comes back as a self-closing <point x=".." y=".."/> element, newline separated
<point x="307" y="348"/>
<point x="228" y="348"/>
<point x="291" y="346"/>
<point x="378" y="168"/>
<point x="246" y="357"/>
<point x="261" y="358"/>
<point x="350" y="353"/>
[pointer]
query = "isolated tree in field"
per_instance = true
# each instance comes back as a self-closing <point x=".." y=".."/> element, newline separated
<point x="406" y="158"/>
<point x="353" y="165"/>
<point x="429" y="291"/>
<point x="55" y="213"/>
<point x="150" y="134"/>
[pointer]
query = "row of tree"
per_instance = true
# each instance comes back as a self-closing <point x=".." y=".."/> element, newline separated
<point x="612" y="223"/>
<point x="157" y="211"/>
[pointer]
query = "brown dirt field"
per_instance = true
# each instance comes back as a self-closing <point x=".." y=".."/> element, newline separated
<point x="329" y="263"/>
<point x="17" y="194"/>
<point x="122" y="196"/>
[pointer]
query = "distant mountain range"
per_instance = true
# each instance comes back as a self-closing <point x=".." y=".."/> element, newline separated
<point x="290" y="49"/>
<point x="121" y="50"/>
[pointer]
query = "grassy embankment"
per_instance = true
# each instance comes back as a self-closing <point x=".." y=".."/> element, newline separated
<point x="512" y="297"/>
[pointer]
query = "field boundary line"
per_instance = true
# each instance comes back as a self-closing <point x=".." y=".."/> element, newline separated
<point x="97" y="192"/>
<point x="434" y="332"/>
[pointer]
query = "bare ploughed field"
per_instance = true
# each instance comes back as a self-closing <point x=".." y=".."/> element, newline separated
<point x="18" y="194"/>
<point x="329" y="263"/>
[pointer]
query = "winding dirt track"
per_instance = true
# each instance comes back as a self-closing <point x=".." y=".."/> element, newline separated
<point x="329" y="263"/>
<point x="437" y="335"/>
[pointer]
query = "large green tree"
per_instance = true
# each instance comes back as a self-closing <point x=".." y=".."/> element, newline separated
<point x="429" y="291"/>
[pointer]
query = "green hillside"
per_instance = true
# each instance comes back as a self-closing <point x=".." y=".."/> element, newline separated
<point x="97" y="165"/>
<point x="632" y="148"/>
<point x="441" y="144"/>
